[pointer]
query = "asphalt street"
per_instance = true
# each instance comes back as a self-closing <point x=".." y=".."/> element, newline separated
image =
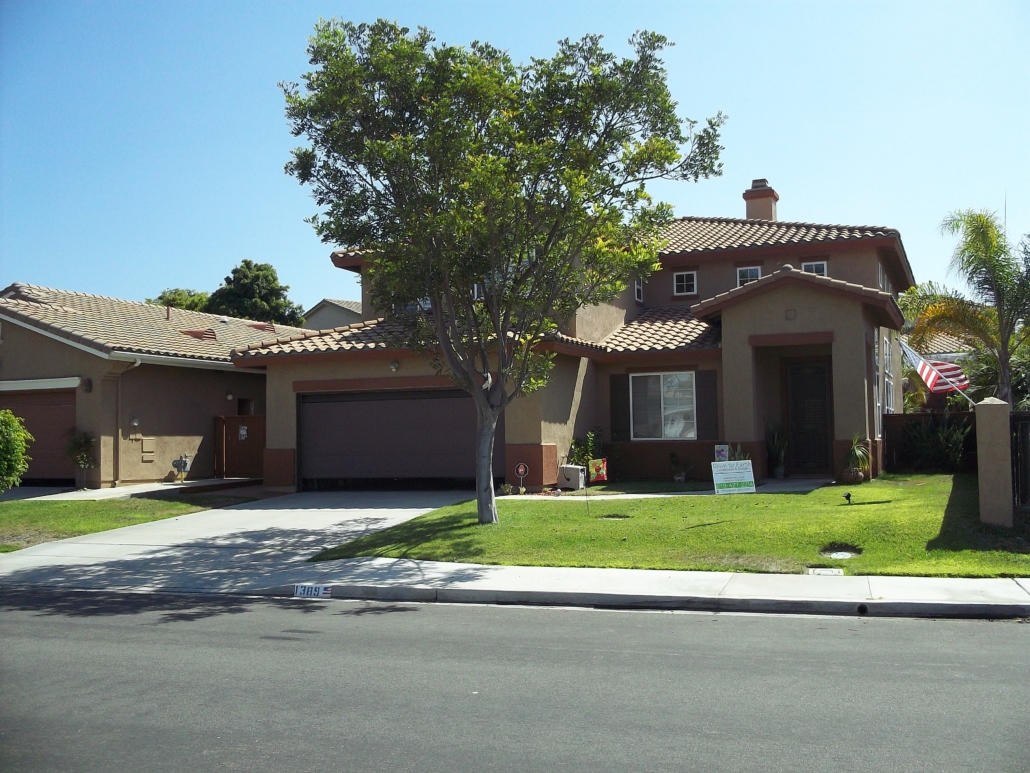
<point x="108" y="682"/>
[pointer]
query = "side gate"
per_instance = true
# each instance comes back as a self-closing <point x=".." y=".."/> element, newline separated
<point x="1020" y="459"/>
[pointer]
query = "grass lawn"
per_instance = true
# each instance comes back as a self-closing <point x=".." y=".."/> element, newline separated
<point x="641" y="487"/>
<point x="24" y="523"/>
<point x="904" y="524"/>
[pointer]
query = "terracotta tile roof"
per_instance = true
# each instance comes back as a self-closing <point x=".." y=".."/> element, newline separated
<point x="374" y="334"/>
<point x="940" y="343"/>
<point x="705" y="234"/>
<point x="665" y="329"/>
<point x="349" y="305"/>
<point x="114" y="325"/>
<point x="790" y="274"/>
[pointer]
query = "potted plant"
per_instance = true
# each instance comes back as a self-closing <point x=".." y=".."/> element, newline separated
<point x="680" y="467"/>
<point x="776" y="441"/>
<point x="857" y="462"/>
<point x="80" y="450"/>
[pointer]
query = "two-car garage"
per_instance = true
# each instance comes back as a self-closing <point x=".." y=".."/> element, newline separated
<point x="423" y="437"/>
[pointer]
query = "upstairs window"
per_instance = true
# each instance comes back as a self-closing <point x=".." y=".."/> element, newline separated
<point x="638" y="290"/>
<point x="684" y="283"/>
<point x="662" y="406"/>
<point x="748" y="274"/>
<point x="817" y="267"/>
<point x="885" y="281"/>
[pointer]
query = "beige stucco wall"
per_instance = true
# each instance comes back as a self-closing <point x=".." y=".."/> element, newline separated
<point x="718" y="274"/>
<point x="176" y="406"/>
<point x="330" y="316"/>
<point x="816" y="312"/>
<point x="593" y="323"/>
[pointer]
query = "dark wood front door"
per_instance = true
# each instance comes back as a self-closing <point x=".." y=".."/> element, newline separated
<point x="808" y="417"/>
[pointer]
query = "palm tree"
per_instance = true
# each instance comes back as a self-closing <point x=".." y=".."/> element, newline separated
<point x="991" y="321"/>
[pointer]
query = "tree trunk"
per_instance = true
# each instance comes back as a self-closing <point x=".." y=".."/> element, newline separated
<point x="486" y="427"/>
<point x="1004" y="378"/>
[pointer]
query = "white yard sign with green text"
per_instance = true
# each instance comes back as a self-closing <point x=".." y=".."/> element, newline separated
<point x="733" y="477"/>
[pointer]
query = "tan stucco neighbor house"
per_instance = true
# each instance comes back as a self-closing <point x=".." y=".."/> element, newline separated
<point x="332" y="312"/>
<point x="749" y="323"/>
<point x="147" y="381"/>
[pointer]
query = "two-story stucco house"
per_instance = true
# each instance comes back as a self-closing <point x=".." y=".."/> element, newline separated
<point x="749" y="323"/>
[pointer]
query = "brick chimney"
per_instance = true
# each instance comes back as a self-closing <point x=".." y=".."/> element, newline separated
<point x="761" y="201"/>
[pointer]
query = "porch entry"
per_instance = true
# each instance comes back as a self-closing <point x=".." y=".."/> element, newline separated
<point x="809" y="439"/>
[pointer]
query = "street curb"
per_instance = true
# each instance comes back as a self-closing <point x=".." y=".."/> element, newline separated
<point x="837" y="607"/>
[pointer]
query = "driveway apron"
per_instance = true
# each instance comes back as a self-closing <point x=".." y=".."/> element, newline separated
<point x="250" y="546"/>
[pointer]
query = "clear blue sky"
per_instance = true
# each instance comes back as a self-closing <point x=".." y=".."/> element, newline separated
<point x="142" y="143"/>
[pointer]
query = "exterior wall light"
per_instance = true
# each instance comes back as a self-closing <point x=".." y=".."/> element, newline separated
<point x="228" y="395"/>
<point x="394" y="365"/>
<point x="134" y="421"/>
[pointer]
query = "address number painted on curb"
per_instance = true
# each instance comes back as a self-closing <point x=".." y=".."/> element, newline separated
<point x="313" y="591"/>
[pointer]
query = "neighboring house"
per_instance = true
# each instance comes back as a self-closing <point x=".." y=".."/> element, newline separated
<point x="330" y="313"/>
<point x="749" y="323"/>
<point x="941" y="346"/>
<point x="147" y="381"/>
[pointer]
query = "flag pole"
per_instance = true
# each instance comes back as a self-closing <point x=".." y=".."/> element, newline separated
<point x="911" y="355"/>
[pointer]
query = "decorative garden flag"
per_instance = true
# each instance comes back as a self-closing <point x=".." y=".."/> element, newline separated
<point x="597" y="470"/>
<point x="941" y="378"/>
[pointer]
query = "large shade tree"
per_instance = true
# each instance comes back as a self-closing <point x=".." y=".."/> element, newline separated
<point x="491" y="200"/>
<point x="991" y="322"/>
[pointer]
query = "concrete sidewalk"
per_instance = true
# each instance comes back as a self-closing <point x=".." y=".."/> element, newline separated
<point x="405" y="580"/>
<point x="202" y="485"/>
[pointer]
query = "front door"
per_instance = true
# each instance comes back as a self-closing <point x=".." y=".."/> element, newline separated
<point x="809" y="448"/>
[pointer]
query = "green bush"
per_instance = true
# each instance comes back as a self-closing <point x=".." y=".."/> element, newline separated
<point x="14" y="444"/>
<point x="937" y="443"/>
<point x="582" y="451"/>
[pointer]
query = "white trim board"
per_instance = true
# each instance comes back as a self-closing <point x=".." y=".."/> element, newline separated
<point x="36" y="384"/>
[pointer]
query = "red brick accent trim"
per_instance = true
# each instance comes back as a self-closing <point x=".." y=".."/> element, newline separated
<point x="372" y="384"/>
<point x="791" y="339"/>
<point x="279" y="467"/>
<point x="542" y="460"/>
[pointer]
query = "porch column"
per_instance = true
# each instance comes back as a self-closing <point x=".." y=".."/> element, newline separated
<point x="994" y="459"/>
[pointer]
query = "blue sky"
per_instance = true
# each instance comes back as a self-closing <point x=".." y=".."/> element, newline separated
<point x="142" y="143"/>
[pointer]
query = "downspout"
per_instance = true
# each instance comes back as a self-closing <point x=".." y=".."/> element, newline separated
<point x="118" y="424"/>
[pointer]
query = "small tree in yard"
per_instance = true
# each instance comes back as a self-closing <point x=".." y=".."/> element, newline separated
<point x="491" y="200"/>
<point x="14" y="444"/>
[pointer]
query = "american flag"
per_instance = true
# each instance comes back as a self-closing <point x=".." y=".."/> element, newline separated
<point x="941" y="378"/>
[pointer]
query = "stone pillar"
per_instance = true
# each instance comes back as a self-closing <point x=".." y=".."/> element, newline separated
<point x="994" y="458"/>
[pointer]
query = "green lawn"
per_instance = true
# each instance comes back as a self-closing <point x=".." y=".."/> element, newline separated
<point x="904" y="524"/>
<point x="25" y="523"/>
<point x="641" y="487"/>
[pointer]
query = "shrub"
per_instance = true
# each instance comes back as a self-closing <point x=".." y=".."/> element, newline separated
<point x="14" y="443"/>
<point x="582" y="451"/>
<point x="80" y="449"/>
<point x="937" y="443"/>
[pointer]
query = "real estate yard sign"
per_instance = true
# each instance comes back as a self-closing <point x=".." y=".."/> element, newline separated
<point x="733" y="477"/>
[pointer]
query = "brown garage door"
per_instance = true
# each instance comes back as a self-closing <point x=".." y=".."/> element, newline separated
<point x="49" y="416"/>
<point x="354" y="438"/>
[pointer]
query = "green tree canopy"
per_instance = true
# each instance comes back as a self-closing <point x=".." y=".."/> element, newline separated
<point x="179" y="298"/>
<point x="990" y="322"/>
<point x="491" y="200"/>
<point x="253" y="291"/>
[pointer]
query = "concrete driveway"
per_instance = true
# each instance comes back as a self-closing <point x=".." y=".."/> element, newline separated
<point x="250" y="546"/>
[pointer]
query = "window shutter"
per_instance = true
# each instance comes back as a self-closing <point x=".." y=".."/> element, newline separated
<point x="707" y="392"/>
<point x="618" y="400"/>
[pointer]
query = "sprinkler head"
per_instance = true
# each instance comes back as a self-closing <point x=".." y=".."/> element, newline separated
<point x="848" y="497"/>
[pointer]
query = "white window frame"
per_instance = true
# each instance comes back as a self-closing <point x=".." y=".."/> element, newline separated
<point x="693" y="378"/>
<point x="693" y="282"/>
<point x="876" y="384"/>
<point x="888" y="375"/>
<point x="748" y="268"/>
<point x="638" y="290"/>
<point x="808" y="267"/>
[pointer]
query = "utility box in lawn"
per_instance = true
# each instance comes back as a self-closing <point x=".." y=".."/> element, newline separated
<point x="572" y="476"/>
